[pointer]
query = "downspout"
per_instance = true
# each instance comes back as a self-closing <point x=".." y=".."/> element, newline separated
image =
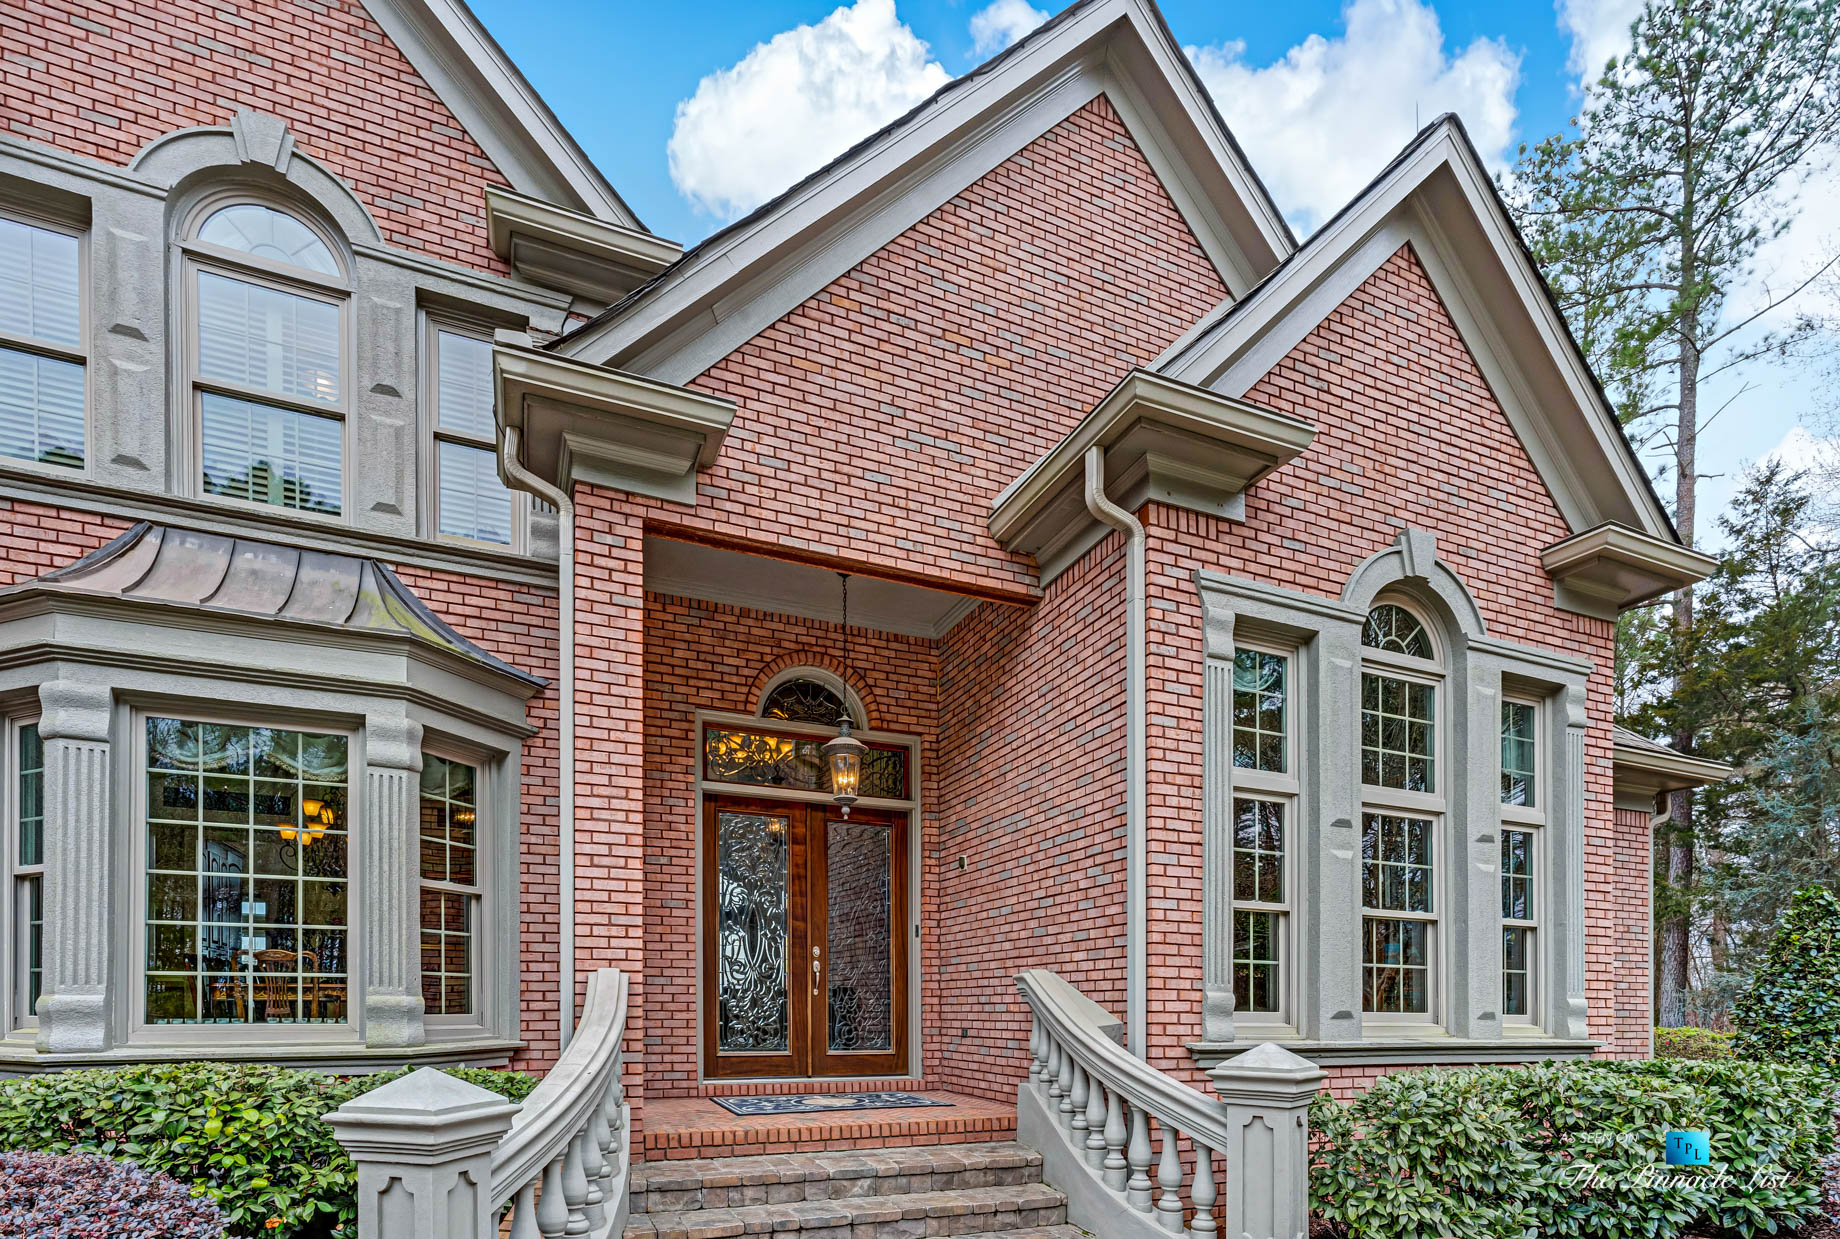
<point x="1137" y="1000"/>
<point x="565" y="709"/>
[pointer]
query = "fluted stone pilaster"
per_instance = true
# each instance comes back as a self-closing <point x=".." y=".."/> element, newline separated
<point x="75" y="1005"/>
<point x="1217" y="831"/>
<point x="387" y="879"/>
<point x="1571" y="1018"/>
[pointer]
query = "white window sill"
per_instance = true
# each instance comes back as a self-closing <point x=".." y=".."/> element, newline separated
<point x="19" y="1057"/>
<point x="1385" y="1047"/>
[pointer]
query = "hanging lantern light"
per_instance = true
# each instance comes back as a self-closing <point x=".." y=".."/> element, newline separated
<point x="843" y="751"/>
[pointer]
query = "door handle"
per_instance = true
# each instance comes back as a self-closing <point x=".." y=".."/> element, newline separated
<point x="817" y="970"/>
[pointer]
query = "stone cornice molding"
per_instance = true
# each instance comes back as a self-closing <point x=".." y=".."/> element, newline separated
<point x="1611" y="568"/>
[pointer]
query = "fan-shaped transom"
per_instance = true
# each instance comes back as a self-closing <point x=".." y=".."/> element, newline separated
<point x="1392" y="628"/>
<point x="264" y="232"/>
<point x="803" y="700"/>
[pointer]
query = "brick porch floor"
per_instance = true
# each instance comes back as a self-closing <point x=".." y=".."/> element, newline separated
<point x="677" y="1128"/>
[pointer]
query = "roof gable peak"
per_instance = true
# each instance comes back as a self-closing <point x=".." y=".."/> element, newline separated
<point x="749" y="274"/>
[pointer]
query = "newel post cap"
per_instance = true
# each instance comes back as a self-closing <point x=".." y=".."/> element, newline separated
<point x="1267" y="1074"/>
<point x="427" y="1116"/>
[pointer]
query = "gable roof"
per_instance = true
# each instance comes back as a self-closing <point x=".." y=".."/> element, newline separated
<point x="750" y="273"/>
<point x="469" y="71"/>
<point x="188" y="568"/>
<point x="1436" y="196"/>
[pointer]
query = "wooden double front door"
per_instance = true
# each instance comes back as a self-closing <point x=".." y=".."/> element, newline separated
<point x="805" y="931"/>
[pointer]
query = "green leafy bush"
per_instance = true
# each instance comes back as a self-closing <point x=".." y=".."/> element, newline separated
<point x="1573" y="1150"/>
<point x="1792" y="1009"/>
<point x="1698" y="1044"/>
<point x="249" y="1135"/>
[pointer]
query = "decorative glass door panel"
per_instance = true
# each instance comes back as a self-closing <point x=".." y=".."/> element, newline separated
<point x="805" y="918"/>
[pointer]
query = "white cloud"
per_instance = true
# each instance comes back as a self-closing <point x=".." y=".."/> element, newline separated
<point x="1599" y="31"/>
<point x="796" y="102"/>
<point x="1320" y="122"/>
<point x="1005" y="21"/>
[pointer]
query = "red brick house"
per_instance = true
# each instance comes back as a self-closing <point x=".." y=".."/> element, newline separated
<point x="426" y="585"/>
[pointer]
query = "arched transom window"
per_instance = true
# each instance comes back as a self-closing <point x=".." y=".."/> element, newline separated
<point x="804" y="699"/>
<point x="1402" y="806"/>
<point x="267" y="373"/>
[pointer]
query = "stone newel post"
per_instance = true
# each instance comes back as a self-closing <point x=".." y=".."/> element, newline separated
<point x="1268" y="1091"/>
<point x="423" y="1145"/>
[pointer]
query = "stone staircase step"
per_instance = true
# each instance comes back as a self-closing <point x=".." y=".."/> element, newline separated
<point x="967" y="1212"/>
<point x="1036" y="1232"/>
<point x="739" y="1182"/>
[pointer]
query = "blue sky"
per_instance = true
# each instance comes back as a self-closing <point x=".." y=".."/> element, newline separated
<point x="696" y="112"/>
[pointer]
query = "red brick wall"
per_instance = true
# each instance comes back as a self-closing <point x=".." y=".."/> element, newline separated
<point x="707" y="656"/>
<point x="518" y="624"/>
<point x="878" y="419"/>
<point x="1032" y="723"/>
<point x="35" y="538"/>
<point x="1623" y="883"/>
<point x="610" y="755"/>
<point x="102" y="80"/>
<point x="1408" y="434"/>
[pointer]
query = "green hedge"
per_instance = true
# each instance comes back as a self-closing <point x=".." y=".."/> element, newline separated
<point x="1572" y="1150"/>
<point x="1792" y="1009"/>
<point x="1692" y="1043"/>
<point x="249" y="1135"/>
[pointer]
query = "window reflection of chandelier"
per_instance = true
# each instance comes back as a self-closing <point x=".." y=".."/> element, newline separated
<point x="316" y="817"/>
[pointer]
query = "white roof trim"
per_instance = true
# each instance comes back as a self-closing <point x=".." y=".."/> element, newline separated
<point x="1438" y="198"/>
<point x="471" y="74"/>
<point x="743" y="279"/>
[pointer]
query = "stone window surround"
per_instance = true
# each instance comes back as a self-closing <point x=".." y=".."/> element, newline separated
<point x="130" y="218"/>
<point x="90" y="709"/>
<point x="1325" y="635"/>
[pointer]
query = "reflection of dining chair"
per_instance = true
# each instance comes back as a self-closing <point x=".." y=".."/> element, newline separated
<point x="276" y="985"/>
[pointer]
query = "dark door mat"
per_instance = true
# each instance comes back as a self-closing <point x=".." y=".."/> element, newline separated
<point x="819" y="1103"/>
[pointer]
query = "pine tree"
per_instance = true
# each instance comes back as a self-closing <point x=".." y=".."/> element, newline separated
<point x="1649" y="216"/>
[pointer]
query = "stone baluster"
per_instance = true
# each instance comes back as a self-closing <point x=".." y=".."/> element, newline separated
<point x="1203" y="1191"/>
<point x="575" y="1188"/>
<point x="1169" y="1179"/>
<point x="593" y="1168"/>
<point x="1137" y="1155"/>
<point x="524" y="1215"/>
<point x="1095" y="1124"/>
<point x="1056" y="1056"/>
<point x="1076" y="1106"/>
<point x="1116" y="1172"/>
<point x="603" y="1145"/>
<point x="552" y="1210"/>
<point x="1063" y="1084"/>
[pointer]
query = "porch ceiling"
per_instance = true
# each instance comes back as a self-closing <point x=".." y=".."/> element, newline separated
<point x="688" y="570"/>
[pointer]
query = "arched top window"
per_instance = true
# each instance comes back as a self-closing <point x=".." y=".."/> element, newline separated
<point x="264" y="232"/>
<point x="1392" y="628"/>
<point x="805" y="699"/>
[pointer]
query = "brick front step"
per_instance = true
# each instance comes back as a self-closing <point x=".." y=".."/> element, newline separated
<point x="971" y="1212"/>
<point x="726" y="1183"/>
<point x="689" y="1136"/>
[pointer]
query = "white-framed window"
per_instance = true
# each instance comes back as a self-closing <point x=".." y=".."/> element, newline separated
<point x="1523" y="813"/>
<point x="468" y="501"/>
<point x="1402" y="810"/>
<point x="25" y="842"/>
<point x="246" y="874"/>
<point x="42" y="352"/>
<point x="450" y="889"/>
<point x="1265" y="788"/>
<point x="267" y="358"/>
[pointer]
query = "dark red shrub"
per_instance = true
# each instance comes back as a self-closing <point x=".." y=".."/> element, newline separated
<point x="82" y="1196"/>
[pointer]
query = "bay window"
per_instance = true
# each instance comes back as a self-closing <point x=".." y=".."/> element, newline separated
<point x="450" y="891"/>
<point x="42" y="351"/>
<point x="248" y="874"/>
<point x="267" y="304"/>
